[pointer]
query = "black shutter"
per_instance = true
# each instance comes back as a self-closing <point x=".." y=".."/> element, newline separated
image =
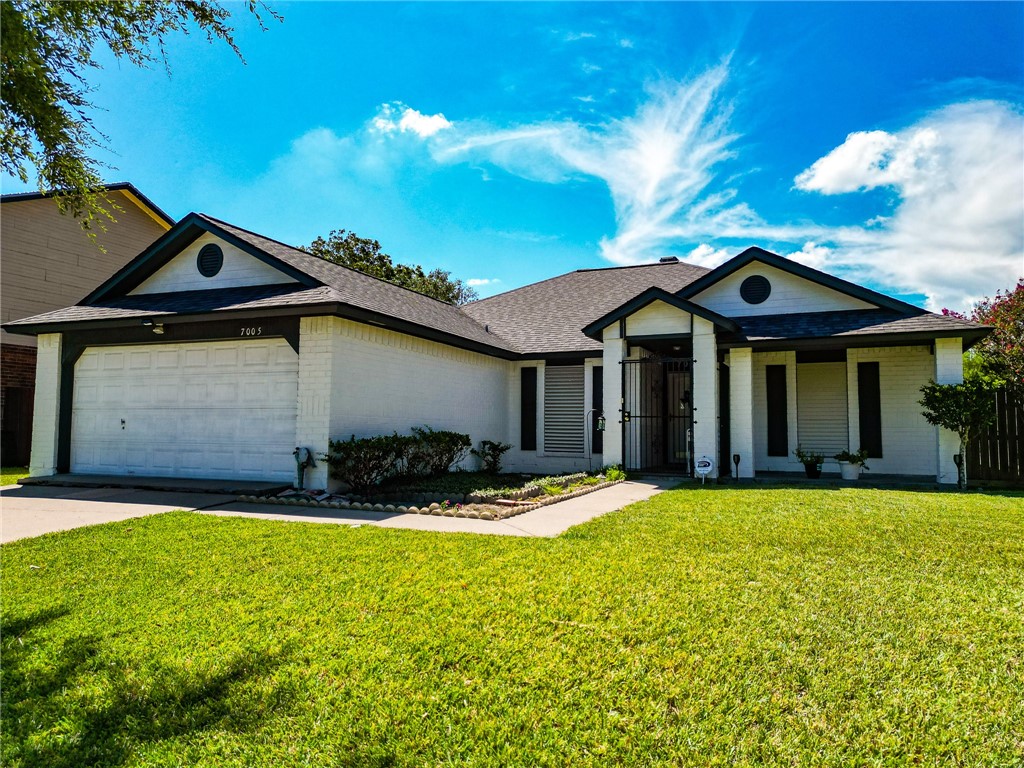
<point x="528" y="409"/>
<point x="869" y="401"/>
<point x="778" y="420"/>
<point x="598" y="405"/>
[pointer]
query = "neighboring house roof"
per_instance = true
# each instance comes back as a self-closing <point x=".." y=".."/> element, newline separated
<point x="857" y="326"/>
<point x="562" y="316"/>
<point x="127" y="188"/>
<point x="549" y="316"/>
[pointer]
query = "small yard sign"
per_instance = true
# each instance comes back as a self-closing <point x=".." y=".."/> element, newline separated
<point x="703" y="467"/>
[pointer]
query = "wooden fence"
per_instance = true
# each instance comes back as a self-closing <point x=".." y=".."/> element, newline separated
<point x="996" y="453"/>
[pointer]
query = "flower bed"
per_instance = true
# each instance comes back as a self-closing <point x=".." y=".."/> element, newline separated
<point x="475" y="506"/>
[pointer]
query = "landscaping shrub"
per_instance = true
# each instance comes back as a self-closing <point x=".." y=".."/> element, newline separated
<point x="366" y="462"/>
<point x="490" y="454"/>
<point x="434" y="452"/>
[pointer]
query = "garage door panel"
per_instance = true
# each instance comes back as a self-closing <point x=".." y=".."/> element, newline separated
<point x="212" y="409"/>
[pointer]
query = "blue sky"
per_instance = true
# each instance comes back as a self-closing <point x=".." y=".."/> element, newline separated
<point x="512" y="142"/>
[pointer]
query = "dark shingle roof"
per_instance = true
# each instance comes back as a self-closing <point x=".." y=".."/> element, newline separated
<point x="539" y="319"/>
<point x="549" y="316"/>
<point x="369" y="293"/>
<point x="850" y="323"/>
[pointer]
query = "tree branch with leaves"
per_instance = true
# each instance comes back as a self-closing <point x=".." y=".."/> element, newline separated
<point x="47" y="52"/>
<point x="366" y="256"/>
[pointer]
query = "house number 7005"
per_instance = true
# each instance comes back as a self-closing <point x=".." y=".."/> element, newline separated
<point x="252" y="331"/>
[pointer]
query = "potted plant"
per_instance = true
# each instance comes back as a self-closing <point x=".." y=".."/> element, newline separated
<point x="811" y="460"/>
<point x="851" y="464"/>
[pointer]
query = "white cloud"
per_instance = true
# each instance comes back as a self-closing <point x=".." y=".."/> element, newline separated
<point x="657" y="164"/>
<point x="952" y="229"/>
<point x="705" y="255"/>
<point x="626" y="43"/>
<point x="397" y="117"/>
<point x="957" y="230"/>
<point x="572" y="37"/>
<point x="476" y="282"/>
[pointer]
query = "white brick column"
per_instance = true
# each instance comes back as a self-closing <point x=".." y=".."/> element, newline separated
<point x="46" y="410"/>
<point x="705" y="391"/>
<point x="316" y="369"/>
<point x="949" y="369"/>
<point x="614" y="354"/>
<point x="741" y="408"/>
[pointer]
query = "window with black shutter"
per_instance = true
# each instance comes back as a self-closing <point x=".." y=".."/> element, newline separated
<point x="528" y="409"/>
<point x="869" y="401"/>
<point x="778" y="419"/>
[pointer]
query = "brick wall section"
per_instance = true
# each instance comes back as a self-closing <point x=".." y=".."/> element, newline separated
<point x="908" y="440"/>
<point x="17" y="366"/>
<point x="705" y="392"/>
<point x="385" y="382"/>
<point x="44" y="420"/>
<point x="949" y="369"/>
<point x="741" y="410"/>
<point x="315" y="394"/>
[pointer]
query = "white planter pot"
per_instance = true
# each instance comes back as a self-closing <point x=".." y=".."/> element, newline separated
<point x="849" y="471"/>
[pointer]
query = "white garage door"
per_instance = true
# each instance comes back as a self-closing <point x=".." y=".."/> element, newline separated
<point x="222" y="409"/>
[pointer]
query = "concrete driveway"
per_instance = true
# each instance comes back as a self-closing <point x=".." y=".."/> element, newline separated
<point x="27" y="511"/>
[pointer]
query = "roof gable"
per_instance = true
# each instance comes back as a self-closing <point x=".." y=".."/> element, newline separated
<point x="177" y="241"/>
<point x="237" y="269"/>
<point x="720" y="288"/>
<point x="651" y="295"/>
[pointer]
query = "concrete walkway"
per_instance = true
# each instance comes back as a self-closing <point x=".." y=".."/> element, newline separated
<point x="27" y="511"/>
<point x="32" y="510"/>
<point x="546" y="521"/>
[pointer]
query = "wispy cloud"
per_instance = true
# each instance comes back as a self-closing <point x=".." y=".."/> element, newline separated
<point x="657" y="163"/>
<point x="951" y="229"/>
<point x="476" y="282"/>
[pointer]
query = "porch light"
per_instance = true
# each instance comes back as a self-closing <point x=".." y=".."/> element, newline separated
<point x="158" y="328"/>
<point x="600" y="423"/>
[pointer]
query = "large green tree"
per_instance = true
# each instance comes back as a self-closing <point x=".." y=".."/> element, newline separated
<point x="365" y="255"/>
<point x="46" y="54"/>
<point x="1001" y="353"/>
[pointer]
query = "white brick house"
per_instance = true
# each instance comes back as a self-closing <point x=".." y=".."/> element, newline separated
<point x="217" y="351"/>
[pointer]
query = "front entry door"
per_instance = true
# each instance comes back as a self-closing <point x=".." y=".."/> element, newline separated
<point x="658" y="402"/>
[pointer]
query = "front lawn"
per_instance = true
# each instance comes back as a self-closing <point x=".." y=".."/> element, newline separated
<point x="765" y="626"/>
<point x="11" y="475"/>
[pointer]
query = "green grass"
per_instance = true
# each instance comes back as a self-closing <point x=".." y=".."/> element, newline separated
<point x="716" y="626"/>
<point x="11" y="475"/>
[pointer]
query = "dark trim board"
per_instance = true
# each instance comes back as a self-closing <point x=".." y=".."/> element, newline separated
<point x="970" y="338"/>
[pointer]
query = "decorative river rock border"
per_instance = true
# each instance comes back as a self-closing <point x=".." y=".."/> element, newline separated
<point x="466" y="510"/>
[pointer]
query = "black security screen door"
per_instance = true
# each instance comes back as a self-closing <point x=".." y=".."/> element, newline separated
<point x="657" y="414"/>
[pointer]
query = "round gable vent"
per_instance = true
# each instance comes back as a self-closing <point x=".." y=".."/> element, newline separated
<point x="210" y="260"/>
<point x="755" y="289"/>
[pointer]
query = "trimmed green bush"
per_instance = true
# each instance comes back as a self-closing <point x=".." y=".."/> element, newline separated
<point x="490" y="454"/>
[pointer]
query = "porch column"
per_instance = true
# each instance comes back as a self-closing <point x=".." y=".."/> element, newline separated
<point x="705" y="391"/>
<point x="949" y="369"/>
<point x="46" y="408"/>
<point x="741" y="408"/>
<point x="316" y="374"/>
<point x="614" y="354"/>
